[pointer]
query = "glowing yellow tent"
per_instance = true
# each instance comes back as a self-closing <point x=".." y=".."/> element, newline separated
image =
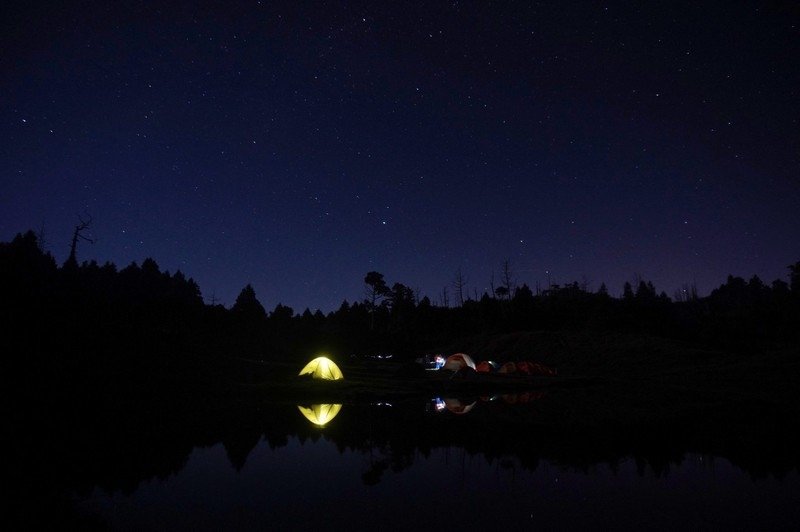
<point x="320" y="414"/>
<point x="323" y="368"/>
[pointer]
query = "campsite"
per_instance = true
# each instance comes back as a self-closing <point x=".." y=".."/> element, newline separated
<point x="385" y="430"/>
<point x="383" y="397"/>
<point x="373" y="265"/>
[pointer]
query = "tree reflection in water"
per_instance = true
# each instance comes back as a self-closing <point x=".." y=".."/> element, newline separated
<point x="115" y="447"/>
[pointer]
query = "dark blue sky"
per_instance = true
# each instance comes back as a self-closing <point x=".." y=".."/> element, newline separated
<point x="297" y="146"/>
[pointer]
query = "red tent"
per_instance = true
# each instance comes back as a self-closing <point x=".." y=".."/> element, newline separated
<point x="486" y="367"/>
<point x="508" y="368"/>
<point x="524" y="368"/>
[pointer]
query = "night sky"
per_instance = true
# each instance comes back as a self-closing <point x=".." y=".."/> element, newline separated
<point x="297" y="146"/>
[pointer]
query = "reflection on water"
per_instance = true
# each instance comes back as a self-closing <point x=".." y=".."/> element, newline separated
<point x="457" y="406"/>
<point x="447" y="488"/>
<point x="460" y="406"/>
<point x="320" y="414"/>
<point x="500" y="457"/>
<point x="436" y="404"/>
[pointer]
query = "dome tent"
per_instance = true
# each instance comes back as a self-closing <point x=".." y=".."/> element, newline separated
<point x="487" y="366"/>
<point x="507" y="368"/>
<point x="322" y="368"/>
<point x="458" y="361"/>
<point x="523" y="368"/>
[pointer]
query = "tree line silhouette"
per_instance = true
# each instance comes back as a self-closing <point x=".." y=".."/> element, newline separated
<point x="123" y="368"/>
<point x="88" y="313"/>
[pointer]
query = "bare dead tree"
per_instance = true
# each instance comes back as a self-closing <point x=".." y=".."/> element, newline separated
<point x="459" y="283"/>
<point x="507" y="277"/>
<point x="687" y="292"/>
<point x="693" y="291"/>
<point x="79" y="234"/>
<point x="491" y="283"/>
<point x="679" y="295"/>
<point x="41" y="241"/>
<point x="445" y="298"/>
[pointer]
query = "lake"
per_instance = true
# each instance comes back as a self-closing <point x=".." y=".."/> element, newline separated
<point x="442" y="464"/>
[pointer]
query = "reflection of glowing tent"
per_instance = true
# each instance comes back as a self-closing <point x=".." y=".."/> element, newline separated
<point x="458" y="361"/>
<point x="487" y="366"/>
<point x="457" y="407"/>
<point x="322" y="368"/>
<point x="320" y="414"/>
<point x="508" y="367"/>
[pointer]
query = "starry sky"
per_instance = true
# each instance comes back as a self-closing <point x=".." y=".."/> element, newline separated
<point x="298" y="145"/>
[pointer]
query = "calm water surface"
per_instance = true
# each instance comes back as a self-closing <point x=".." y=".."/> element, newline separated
<point x="315" y="481"/>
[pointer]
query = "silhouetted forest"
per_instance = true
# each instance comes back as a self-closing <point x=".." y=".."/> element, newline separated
<point x="126" y="370"/>
<point x="90" y="315"/>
